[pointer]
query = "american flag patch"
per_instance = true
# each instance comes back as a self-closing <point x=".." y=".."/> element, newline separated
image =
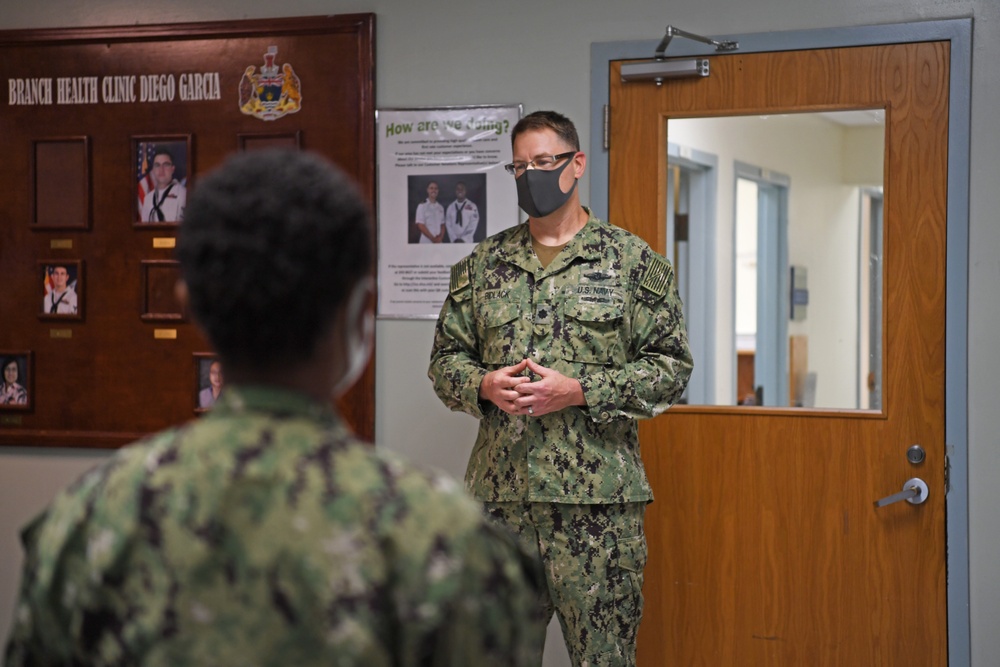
<point x="460" y="275"/>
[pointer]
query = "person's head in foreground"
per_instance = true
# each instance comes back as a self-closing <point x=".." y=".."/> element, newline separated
<point x="264" y="532"/>
<point x="275" y="259"/>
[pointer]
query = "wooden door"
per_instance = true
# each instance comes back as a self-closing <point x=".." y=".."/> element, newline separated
<point x="765" y="545"/>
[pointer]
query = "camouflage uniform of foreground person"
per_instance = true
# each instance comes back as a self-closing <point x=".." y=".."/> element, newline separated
<point x="557" y="335"/>
<point x="265" y="533"/>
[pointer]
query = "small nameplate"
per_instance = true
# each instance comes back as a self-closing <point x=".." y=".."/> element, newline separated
<point x="61" y="244"/>
<point x="169" y="242"/>
<point x="165" y="334"/>
<point x="60" y="333"/>
<point x="10" y="420"/>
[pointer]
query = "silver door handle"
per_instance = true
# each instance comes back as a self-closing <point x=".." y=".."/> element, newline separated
<point x="914" y="492"/>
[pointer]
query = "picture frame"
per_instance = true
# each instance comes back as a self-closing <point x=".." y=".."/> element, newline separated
<point x="16" y="380"/>
<point x="61" y="284"/>
<point x="162" y="166"/>
<point x="60" y="183"/>
<point x="158" y="300"/>
<point x="209" y="379"/>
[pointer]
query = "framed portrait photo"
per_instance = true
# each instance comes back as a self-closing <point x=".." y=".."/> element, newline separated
<point x="162" y="171"/>
<point x="60" y="289"/>
<point x="209" y="381"/>
<point x="16" y="385"/>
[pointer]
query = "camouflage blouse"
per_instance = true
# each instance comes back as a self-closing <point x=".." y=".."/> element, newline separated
<point x="605" y="312"/>
<point x="265" y="534"/>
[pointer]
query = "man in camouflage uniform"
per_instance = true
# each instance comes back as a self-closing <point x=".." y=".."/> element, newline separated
<point x="265" y="533"/>
<point x="557" y="335"/>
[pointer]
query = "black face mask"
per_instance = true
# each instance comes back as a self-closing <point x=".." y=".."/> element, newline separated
<point x="538" y="192"/>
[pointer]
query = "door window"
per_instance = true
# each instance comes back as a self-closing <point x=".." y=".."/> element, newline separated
<point x="796" y="301"/>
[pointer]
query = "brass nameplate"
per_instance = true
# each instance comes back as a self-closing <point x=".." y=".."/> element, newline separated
<point x="60" y="333"/>
<point x="10" y="420"/>
<point x="61" y="244"/>
<point x="165" y="242"/>
<point x="165" y="334"/>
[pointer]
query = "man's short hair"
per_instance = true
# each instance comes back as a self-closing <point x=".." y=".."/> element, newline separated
<point x="548" y="120"/>
<point x="271" y="246"/>
<point x="162" y="151"/>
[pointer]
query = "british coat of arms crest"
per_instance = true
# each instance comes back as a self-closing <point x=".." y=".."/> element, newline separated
<point x="273" y="91"/>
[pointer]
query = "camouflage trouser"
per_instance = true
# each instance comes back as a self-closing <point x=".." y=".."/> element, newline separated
<point x="593" y="556"/>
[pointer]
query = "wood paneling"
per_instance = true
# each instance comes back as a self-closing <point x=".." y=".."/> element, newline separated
<point x="113" y="379"/>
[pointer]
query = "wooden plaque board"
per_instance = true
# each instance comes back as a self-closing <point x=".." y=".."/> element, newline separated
<point x="83" y="111"/>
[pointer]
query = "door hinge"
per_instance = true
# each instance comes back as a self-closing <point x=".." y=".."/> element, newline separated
<point x="607" y="127"/>
<point x="947" y="474"/>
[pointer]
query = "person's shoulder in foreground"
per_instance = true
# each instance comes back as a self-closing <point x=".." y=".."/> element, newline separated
<point x="265" y="533"/>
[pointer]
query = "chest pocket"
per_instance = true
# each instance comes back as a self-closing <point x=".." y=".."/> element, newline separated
<point x="498" y="321"/>
<point x="595" y="332"/>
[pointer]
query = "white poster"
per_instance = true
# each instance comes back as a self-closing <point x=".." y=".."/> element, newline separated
<point x="442" y="189"/>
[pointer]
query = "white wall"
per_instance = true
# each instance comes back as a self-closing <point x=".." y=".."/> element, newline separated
<point x="446" y="52"/>
<point x="863" y="155"/>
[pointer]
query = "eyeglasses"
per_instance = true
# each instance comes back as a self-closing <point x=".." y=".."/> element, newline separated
<point x="543" y="162"/>
<point x="157" y="165"/>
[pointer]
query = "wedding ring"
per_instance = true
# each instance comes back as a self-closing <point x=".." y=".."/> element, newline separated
<point x="531" y="410"/>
